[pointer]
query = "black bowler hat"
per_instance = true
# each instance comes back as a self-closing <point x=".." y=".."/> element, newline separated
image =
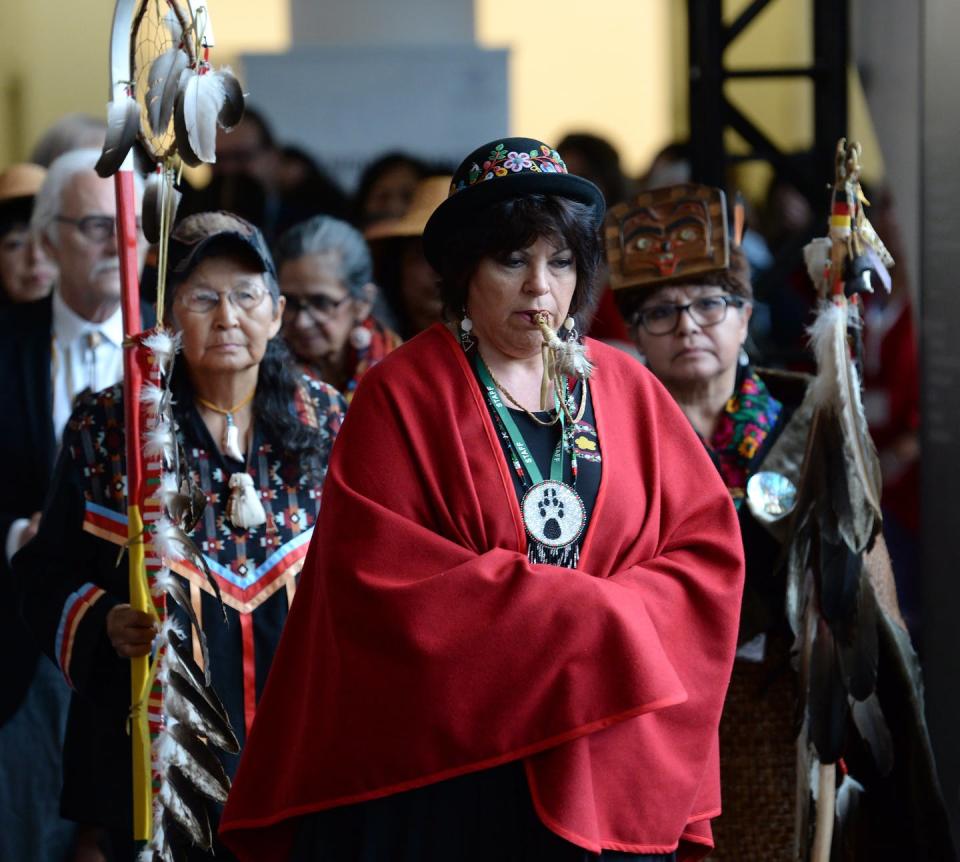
<point x="503" y="169"/>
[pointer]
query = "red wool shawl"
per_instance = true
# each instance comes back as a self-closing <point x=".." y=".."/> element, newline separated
<point x="422" y="644"/>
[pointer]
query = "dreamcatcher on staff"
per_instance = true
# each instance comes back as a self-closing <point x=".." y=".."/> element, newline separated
<point x="167" y="102"/>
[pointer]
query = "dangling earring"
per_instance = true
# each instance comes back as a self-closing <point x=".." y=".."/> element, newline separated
<point x="466" y="327"/>
<point x="744" y="358"/>
<point x="360" y="336"/>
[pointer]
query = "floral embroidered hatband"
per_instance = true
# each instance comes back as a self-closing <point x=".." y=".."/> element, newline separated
<point x="502" y="162"/>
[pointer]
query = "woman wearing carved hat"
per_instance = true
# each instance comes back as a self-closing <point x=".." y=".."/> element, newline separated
<point x="26" y="273"/>
<point x="683" y="285"/>
<point x="518" y="644"/>
<point x="255" y="436"/>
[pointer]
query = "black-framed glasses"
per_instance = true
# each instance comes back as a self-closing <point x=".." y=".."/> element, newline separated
<point x="96" y="228"/>
<point x="705" y="311"/>
<point x="316" y="305"/>
<point x="203" y="300"/>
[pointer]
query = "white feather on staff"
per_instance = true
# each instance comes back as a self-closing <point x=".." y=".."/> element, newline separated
<point x="153" y="396"/>
<point x="200" y="98"/>
<point x="164" y="347"/>
<point x="837" y="388"/>
<point x="160" y="441"/>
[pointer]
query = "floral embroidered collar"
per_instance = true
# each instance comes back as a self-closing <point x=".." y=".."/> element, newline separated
<point x="748" y="418"/>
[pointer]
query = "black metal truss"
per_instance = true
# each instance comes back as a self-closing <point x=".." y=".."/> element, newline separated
<point x="712" y="113"/>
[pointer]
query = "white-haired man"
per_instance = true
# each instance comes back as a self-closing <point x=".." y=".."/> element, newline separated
<point x="50" y="351"/>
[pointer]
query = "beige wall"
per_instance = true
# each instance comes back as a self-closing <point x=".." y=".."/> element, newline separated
<point x="603" y="66"/>
<point x="53" y="57"/>
<point x="617" y="67"/>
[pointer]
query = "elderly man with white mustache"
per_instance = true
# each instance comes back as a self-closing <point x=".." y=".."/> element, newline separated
<point x="51" y="350"/>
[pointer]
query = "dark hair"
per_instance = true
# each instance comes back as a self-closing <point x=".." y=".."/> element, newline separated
<point x="735" y="280"/>
<point x="602" y="161"/>
<point x="274" y="406"/>
<point x="516" y="223"/>
<point x="316" y="194"/>
<point x="254" y="117"/>
<point x="388" y="256"/>
<point x="375" y="170"/>
<point x="15" y="213"/>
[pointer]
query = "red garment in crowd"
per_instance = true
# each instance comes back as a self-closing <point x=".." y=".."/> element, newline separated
<point x="891" y="400"/>
<point x="423" y="645"/>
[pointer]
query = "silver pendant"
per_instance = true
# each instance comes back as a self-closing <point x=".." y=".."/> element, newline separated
<point x="553" y="514"/>
<point x="770" y="496"/>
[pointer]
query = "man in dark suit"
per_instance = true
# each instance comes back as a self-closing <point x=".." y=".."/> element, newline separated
<point x="50" y="351"/>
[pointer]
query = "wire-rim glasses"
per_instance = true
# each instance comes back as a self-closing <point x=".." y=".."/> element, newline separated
<point x="705" y="311"/>
<point x="203" y="300"/>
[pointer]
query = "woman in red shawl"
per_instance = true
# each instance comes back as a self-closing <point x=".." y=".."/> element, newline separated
<point x="483" y="662"/>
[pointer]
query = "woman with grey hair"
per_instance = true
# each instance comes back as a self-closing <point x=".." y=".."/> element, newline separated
<point x="326" y="274"/>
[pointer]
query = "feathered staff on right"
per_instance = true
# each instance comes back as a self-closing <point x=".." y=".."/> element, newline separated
<point x="830" y="600"/>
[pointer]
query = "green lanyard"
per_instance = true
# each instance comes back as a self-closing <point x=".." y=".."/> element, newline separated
<point x="516" y="438"/>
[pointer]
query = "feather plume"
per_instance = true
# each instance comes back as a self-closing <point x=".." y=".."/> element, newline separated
<point x="163" y="79"/>
<point x="199" y="100"/>
<point x="186" y="806"/>
<point x="849" y="798"/>
<point x="176" y="841"/>
<point x="200" y="709"/>
<point x="827" y="704"/>
<point x="231" y="111"/>
<point x="170" y="627"/>
<point x="167" y="582"/>
<point x="816" y="255"/>
<point x="162" y="344"/>
<point x="836" y="391"/>
<point x="160" y="441"/>
<point x="839" y="579"/>
<point x="858" y="644"/>
<point x="123" y="123"/>
<point x="159" y="193"/>
<point x="872" y="726"/>
<point x="179" y="653"/>
<point x="174" y="544"/>
<point x="573" y="361"/>
<point x="153" y="396"/>
<point x="178" y="746"/>
<point x="185" y="507"/>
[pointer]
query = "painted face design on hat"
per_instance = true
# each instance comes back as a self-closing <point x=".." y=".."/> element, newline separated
<point x="665" y="235"/>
